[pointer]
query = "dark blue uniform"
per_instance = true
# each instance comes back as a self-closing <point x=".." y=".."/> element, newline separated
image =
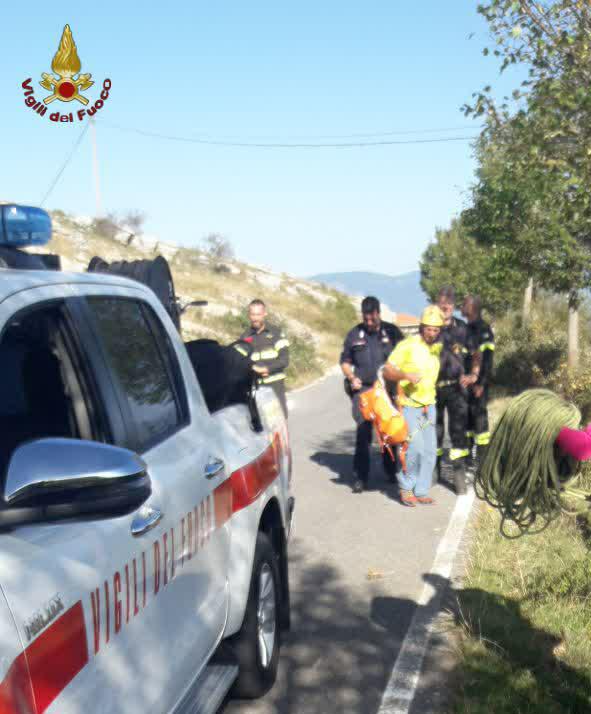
<point x="367" y="352"/>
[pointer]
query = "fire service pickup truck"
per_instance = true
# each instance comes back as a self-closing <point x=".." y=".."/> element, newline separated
<point x="143" y="532"/>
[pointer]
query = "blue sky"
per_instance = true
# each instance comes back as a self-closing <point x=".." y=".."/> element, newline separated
<point x="257" y="71"/>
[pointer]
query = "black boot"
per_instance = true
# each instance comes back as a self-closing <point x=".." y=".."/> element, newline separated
<point x="459" y="477"/>
<point x="437" y="472"/>
<point x="480" y="456"/>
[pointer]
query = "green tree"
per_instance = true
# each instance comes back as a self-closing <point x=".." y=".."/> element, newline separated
<point x="545" y="138"/>
<point x="457" y="258"/>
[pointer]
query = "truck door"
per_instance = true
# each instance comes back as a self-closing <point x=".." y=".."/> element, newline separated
<point x="114" y="614"/>
<point x="185" y="523"/>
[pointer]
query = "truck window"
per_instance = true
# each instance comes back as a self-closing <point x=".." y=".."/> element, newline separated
<point x="37" y="390"/>
<point x="138" y="358"/>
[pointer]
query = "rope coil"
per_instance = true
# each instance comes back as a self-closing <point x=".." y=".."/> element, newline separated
<point x="524" y="475"/>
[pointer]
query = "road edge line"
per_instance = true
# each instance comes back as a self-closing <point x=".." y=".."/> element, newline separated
<point x="402" y="684"/>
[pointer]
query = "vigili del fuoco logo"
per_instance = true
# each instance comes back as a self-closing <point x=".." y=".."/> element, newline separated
<point x="66" y="84"/>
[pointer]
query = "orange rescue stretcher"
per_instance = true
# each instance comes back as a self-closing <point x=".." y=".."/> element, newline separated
<point x="389" y="423"/>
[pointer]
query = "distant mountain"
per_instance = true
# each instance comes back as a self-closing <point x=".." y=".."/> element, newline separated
<point x="401" y="293"/>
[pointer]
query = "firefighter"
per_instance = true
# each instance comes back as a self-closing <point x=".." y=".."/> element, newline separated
<point x="481" y="335"/>
<point x="268" y="351"/>
<point x="452" y="387"/>
<point x="367" y="347"/>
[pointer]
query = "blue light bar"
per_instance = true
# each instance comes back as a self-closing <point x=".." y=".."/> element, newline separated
<point x="24" y="225"/>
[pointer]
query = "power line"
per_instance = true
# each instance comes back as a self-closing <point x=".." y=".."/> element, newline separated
<point x="397" y="132"/>
<point x="281" y="145"/>
<point x="66" y="162"/>
<point x="317" y="137"/>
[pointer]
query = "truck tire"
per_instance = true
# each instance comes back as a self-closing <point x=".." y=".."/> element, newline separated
<point x="154" y="273"/>
<point x="256" y="646"/>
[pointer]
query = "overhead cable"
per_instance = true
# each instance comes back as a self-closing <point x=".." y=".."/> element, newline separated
<point x="281" y="145"/>
<point x="66" y="162"/>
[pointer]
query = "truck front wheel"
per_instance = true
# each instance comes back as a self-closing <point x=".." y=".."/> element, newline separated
<point x="256" y="646"/>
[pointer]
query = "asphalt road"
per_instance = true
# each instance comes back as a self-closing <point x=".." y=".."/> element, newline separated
<point x="346" y="629"/>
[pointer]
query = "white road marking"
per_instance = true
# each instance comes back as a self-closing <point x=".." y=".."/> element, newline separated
<point x="402" y="685"/>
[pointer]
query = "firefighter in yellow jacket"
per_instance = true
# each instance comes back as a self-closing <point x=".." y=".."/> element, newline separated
<point x="414" y="363"/>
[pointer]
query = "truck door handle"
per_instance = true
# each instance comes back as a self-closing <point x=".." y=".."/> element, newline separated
<point x="145" y="520"/>
<point x="214" y="467"/>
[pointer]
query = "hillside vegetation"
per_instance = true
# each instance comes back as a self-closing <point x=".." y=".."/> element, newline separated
<point x="533" y="353"/>
<point x="314" y="317"/>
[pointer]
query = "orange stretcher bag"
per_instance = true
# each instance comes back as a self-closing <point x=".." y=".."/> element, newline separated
<point x="390" y="425"/>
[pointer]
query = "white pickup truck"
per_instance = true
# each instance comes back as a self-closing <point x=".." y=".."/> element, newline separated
<point x="143" y="539"/>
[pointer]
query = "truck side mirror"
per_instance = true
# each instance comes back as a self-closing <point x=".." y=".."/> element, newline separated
<point x="65" y="478"/>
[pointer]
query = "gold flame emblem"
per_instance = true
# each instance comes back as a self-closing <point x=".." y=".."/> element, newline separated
<point x="66" y="64"/>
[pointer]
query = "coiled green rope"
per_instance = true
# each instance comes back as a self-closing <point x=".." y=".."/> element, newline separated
<point x="524" y="475"/>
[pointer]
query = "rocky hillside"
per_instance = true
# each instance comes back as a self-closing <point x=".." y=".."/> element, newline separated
<point x="314" y="317"/>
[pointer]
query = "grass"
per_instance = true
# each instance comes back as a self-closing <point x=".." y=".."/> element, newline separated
<point x="524" y="619"/>
<point x="525" y="642"/>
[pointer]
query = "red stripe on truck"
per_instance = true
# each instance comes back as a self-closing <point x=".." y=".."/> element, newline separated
<point x="51" y="661"/>
<point x="249" y="482"/>
<point x="16" y="694"/>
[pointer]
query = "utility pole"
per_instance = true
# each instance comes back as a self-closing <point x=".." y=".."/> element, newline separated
<point x="97" y="186"/>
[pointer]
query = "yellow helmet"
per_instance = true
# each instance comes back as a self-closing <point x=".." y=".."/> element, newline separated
<point x="432" y="317"/>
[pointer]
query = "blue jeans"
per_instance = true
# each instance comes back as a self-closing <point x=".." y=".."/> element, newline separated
<point x="422" y="451"/>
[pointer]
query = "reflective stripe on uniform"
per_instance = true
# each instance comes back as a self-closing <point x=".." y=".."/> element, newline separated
<point x="447" y="383"/>
<point x="482" y="439"/>
<point x="265" y="354"/>
<point x="439" y="452"/>
<point x="455" y="454"/>
<point x="470" y="434"/>
<point x="242" y="351"/>
<point x="273" y="378"/>
<point x="487" y="346"/>
<point x="283" y="342"/>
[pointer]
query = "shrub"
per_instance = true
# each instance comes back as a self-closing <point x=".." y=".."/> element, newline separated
<point x="303" y="360"/>
<point x="106" y="226"/>
<point x="234" y="324"/>
<point x="575" y="385"/>
<point x="530" y="355"/>
<point x="527" y="356"/>
<point x="336" y="316"/>
<point x="218" y="247"/>
<point x="135" y="220"/>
